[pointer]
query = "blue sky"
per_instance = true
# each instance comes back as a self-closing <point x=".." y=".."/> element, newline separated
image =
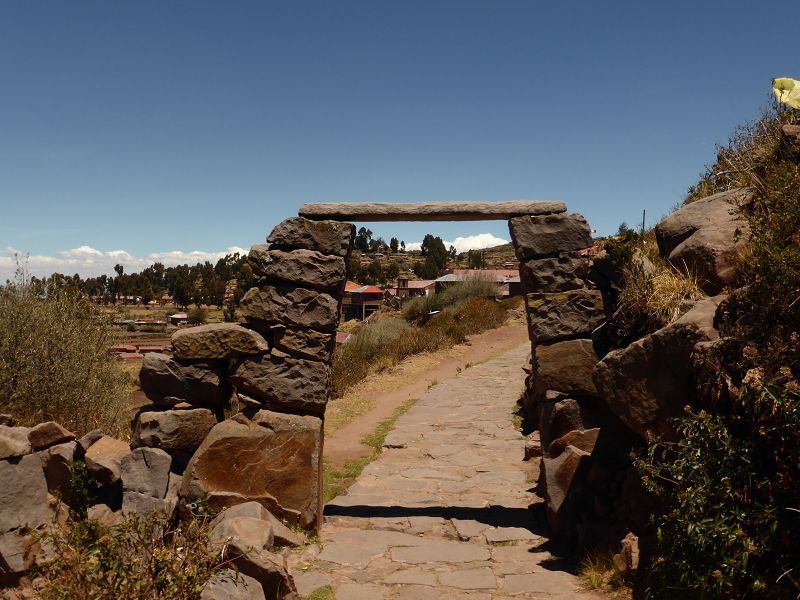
<point x="154" y="127"/>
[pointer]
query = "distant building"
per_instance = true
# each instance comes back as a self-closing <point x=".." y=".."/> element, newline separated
<point x="179" y="319"/>
<point x="360" y="301"/>
<point x="507" y="280"/>
<point x="412" y="288"/>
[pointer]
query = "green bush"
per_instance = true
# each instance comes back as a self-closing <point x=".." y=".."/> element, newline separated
<point x="55" y="362"/>
<point x="418" y="309"/>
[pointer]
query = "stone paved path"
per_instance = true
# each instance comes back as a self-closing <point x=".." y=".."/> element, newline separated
<point x="443" y="512"/>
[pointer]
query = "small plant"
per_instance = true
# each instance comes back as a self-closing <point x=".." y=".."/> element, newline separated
<point x="139" y="559"/>
<point x="598" y="571"/>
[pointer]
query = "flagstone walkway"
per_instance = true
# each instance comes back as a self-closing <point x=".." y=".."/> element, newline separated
<point x="444" y="510"/>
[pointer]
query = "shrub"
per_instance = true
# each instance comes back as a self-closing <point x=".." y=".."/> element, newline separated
<point x="198" y="316"/>
<point x="55" y="362"/>
<point x="418" y="309"/>
<point x="139" y="559"/>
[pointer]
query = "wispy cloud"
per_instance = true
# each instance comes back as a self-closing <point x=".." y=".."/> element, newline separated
<point x="471" y="242"/>
<point x="89" y="262"/>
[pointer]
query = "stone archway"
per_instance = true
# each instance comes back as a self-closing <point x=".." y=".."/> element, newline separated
<point x="280" y="361"/>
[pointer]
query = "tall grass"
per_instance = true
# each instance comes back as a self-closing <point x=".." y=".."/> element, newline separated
<point x="55" y="362"/>
<point x="417" y="309"/>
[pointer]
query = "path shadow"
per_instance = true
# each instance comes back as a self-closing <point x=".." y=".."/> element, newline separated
<point x="495" y="516"/>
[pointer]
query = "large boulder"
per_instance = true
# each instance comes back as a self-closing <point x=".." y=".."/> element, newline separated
<point x="217" y="341"/>
<point x="328" y="237"/>
<point x="172" y="430"/>
<point x="549" y="235"/>
<point x="566" y="367"/>
<point x="165" y="380"/>
<point x="14" y="441"/>
<point x="567" y="271"/>
<point x="263" y="456"/>
<point x="284" y="382"/>
<point x="553" y="317"/>
<point x="104" y="458"/>
<point x="305" y="343"/>
<point x="48" y="434"/>
<point x="23" y="494"/>
<point x="284" y="305"/>
<point x="648" y="382"/>
<point x="705" y="236"/>
<point x="299" y="267"/>
<point x="560" y="417"/>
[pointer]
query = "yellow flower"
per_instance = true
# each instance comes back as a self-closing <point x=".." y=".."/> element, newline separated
<point x="787" y="91"/>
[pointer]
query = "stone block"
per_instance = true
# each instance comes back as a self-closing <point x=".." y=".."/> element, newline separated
<point x="305" y="343"/>
<point x="549" y="235"/>
<point x="146" y="471"/>
<point x="328" y="237"/>
<point x="23" y="495"/>
<point x="262" y="456"/>
<point x="284" y="382"/>
<point x="104" y="457"/>
<point x="172" y="430"/>
<point x="307" y="268"/>
<point x="566" y="367"/>
<point x="562" y="273"/>
<point x="167" y="381"/>
<point x="57" y="464"/>
<point x="217" y="341"/>
<point x="284" y="305"/>
<point x="14" y="442"/>
<point x="553" y="317"/>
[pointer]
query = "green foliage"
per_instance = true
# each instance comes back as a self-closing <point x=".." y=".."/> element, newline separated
<point x="620" y="249"/>
<point x="140" y="559"/>
<point x="81" y="484"/>
<point x="730" y="485"/>
<point x="417" y="309"/>
<point x="323" y="593"/>
<point x="731" y="499"/>
<point x="55" y="362"/>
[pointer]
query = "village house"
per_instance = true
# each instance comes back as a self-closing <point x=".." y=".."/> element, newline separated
<point x="412" y="288"/>
<point x="360" y="301"/>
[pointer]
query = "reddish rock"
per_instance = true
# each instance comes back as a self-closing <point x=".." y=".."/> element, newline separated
<point x="14" y="442"/>
<point x="263" y="456"/>
<point x="49" y="434"/>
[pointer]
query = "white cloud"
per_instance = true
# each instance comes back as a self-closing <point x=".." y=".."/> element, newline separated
<point x="89" y="262"/>
<point x="471" y="242"/>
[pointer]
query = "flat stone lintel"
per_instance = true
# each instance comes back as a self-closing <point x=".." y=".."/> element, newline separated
<point x="430" y="211"/>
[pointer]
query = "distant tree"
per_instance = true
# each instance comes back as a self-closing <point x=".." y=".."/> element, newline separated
<point x="432" y="248"/>
<point x="402" y="246"/>
<point x="394" y="245"/>
<point x="475" y="259"/>
<point x="362" y="240"/>
<point x="393" y="270"/>
<point x="623" y="228"/>
<point x="451" y="253"/>
<point x="119" y="270"/>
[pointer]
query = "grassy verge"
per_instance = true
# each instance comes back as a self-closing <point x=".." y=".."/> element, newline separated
<point x="323" y="593"/>
<point x="336" y="481"/>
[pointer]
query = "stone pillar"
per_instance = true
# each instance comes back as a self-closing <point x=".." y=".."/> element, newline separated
<point x="276" y="366"/>
<point x="562" y="312"/>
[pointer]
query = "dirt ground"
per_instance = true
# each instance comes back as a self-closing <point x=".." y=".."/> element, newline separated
<point x="358" y="413"/>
